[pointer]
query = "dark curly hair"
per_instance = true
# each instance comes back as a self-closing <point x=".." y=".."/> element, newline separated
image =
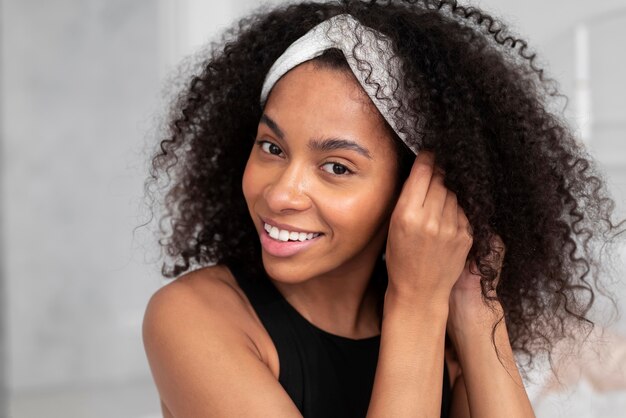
<point x="517" y="169"/>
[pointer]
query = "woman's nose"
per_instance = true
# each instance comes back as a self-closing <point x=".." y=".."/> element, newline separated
<point x="289" y="189"/>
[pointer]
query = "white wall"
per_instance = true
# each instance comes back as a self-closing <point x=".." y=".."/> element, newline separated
<point x="79" y="83"/>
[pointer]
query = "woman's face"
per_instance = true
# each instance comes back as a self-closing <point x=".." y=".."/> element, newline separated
<point x="322" y="163"/>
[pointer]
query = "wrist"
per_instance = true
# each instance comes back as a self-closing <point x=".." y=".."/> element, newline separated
<point x="416" y="303"/>
<point x="473" y="304"/>
<point x="472" y="323"/>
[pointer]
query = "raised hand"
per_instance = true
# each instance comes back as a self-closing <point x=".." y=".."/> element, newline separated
<point x="468" y="283"/>
<point x="467" y="308"/>
<point x="427" y="246"/>
<point x="429" y="236"/>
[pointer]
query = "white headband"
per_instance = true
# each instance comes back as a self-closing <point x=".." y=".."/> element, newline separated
<point x="373" y="48"/>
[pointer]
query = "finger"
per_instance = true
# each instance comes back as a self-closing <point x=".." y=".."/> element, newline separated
<point x="450" y="216"/>
<point x="416" y="185"/>
<point x="463" y="222"/>
<point x="473" y="269"/>
<point x="436" y="195"/>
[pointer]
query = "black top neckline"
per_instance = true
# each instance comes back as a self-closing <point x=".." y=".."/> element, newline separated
<point x="340" y="338"/>
<point x="265" y="281"/>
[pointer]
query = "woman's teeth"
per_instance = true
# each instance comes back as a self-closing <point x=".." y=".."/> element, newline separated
<point x="284" y="235"/>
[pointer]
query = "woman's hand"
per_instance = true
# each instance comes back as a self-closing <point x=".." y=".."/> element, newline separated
<point x="427" y="245"/>
<point x="467" y="290"/>
<point x="468" y="310"/>
<point x="429" y="236"/>
<point x="485" y="369"/>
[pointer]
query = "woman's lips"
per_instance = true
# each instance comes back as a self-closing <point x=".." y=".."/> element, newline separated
<point x="285" y="248"/>
<point x="272" y="222"/>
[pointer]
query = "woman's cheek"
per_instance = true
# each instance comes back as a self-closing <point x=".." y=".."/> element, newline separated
<point x="247" y="183"/>
<point x="357" y="211"/>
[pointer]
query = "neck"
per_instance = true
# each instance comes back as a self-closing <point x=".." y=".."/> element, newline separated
<point x="343" y="302"/>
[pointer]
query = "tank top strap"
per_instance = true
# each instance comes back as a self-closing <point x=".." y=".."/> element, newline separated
<point x="269" y="306"/>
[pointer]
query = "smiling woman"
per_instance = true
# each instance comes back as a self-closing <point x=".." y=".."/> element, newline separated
<point x="347" y="178"/>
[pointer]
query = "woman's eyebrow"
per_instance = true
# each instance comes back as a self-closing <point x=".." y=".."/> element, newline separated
<point x="323" y="145"/>
<point x="273" y="125"/>
<point x="330" y="144"/>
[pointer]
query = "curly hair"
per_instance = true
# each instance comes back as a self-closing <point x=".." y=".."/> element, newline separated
<point x="517" y="169"/>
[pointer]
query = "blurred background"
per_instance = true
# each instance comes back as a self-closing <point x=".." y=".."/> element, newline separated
<point x="82" y="87"/>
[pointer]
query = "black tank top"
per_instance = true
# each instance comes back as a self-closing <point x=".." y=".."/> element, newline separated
<point x="326" y="375"/>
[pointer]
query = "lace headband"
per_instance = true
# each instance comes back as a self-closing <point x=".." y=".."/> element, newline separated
<point x="372" y="48"/>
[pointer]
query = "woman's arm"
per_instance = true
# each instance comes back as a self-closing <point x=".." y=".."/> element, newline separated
<point x="460" y="405"/>
<point x="493" y="386"/>
<point x="427" y="246"/>
<point x="493" y="389"/>
<point x="410" y="362"/>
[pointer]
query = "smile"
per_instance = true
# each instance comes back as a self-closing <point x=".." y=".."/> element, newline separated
<point x="286" y="248"/>
<point x="285" y="235"/>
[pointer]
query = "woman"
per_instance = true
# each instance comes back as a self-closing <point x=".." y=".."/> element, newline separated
<point x="347" y="176"/>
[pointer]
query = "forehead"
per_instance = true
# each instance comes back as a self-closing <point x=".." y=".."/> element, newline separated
<point x="326" y="101"/>
<point x="308" y="81"/>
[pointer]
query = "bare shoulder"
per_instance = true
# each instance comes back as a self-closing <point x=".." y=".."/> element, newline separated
<point x="214" y="285"/>
<point x="209" y="294"/>
<point x="203" y="351"/>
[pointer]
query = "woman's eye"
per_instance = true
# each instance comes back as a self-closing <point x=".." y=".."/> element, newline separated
<point x="269" y="147"/>
<point x="338" y="169"/>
